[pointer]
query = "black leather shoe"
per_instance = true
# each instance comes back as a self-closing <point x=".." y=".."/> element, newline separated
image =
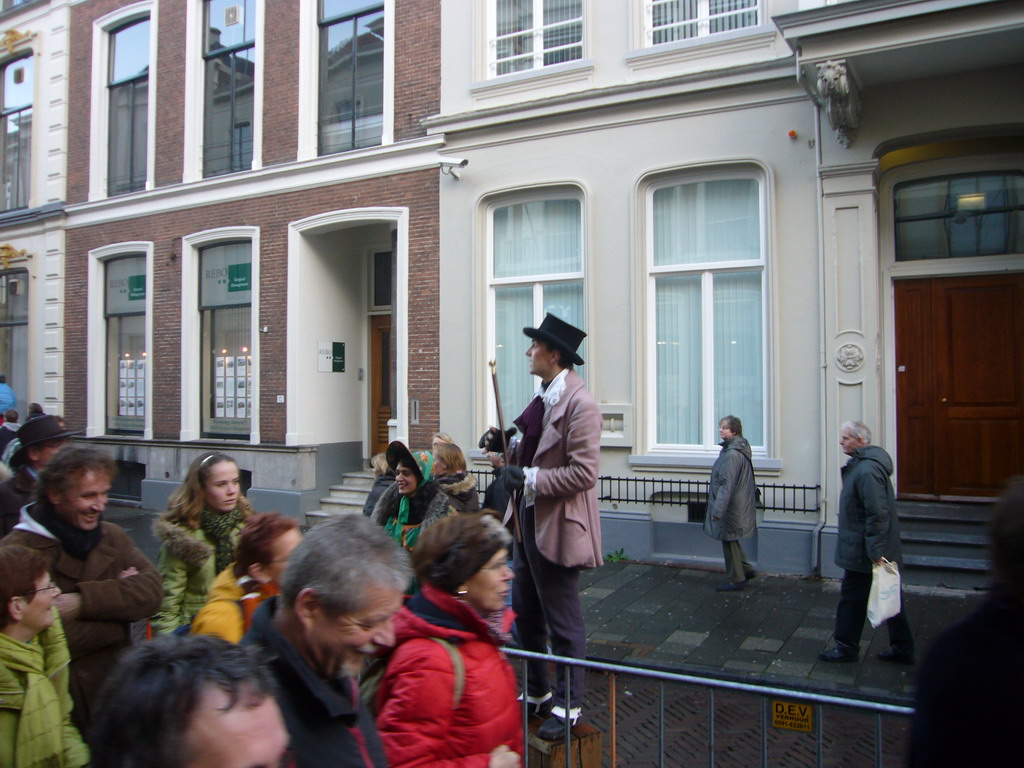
<point x="838" y="654"/>
<point x="896" y="657"/>
<point x="730" y="586"/>
<point x="552" y="729"/>
<point x="750" y="575"/>
<point x="542" y="709"/>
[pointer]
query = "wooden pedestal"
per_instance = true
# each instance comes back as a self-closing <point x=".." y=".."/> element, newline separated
<point x="584" y="748"/>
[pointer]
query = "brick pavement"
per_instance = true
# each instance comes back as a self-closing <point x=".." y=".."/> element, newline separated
<point x="672" y="618"/>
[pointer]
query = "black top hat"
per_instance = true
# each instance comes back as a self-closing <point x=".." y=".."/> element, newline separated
<point x="39" y="430"/>
<point x="558" y="334"/>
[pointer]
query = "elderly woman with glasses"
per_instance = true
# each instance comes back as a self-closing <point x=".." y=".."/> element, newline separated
<point x="35" y="705"/>
<point x="448" y="695"/>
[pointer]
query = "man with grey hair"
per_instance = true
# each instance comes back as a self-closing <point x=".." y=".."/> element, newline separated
<point x="339" y="593"/>
<point x="868" y="532"/>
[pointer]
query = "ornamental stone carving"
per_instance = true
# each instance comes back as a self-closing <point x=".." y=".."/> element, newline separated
<point x="840" y="99"/>
<point x="850" y="357"/>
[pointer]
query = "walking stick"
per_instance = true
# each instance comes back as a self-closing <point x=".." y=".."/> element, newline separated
<point x="504" y="444"/>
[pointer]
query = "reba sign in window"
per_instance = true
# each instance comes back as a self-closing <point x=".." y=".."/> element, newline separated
<point x="225" y="303"/>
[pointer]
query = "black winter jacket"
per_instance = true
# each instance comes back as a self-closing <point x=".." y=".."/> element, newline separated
<point x="868" y="526"/>
<point x="328" y="725"/>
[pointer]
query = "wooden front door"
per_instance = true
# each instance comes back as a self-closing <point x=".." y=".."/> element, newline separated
<point x="380" y="381"/>
<point x="959" y="385"/>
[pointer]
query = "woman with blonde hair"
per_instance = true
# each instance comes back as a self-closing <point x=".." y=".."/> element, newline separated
<point x="198" y="535"/>
<point x="453" y="476"/>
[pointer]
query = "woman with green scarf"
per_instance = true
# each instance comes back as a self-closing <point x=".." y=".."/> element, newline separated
<point x="198" y="536"/>
<point x="35" y="706"/>
<point x="415" y="501"/>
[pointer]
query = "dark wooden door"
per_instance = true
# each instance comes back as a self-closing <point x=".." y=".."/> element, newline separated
<point x="959" y="385"/>
<point x="380" y="381"/>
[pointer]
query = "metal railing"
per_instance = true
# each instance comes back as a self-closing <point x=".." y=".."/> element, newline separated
<point x="766" y="693"/>
<point x="775" y="497"/>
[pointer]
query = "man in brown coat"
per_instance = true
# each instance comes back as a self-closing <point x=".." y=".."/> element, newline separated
<point x="552" y="479"/>
<point x="40" y="439"/>
<point x="106" y="582"/>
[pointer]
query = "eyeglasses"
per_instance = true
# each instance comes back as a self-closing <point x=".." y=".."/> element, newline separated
<point x="367" y="626"/>
<point x="50" y="586"/>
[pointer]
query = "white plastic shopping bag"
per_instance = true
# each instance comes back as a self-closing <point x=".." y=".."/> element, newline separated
<point x="884" y="599"/>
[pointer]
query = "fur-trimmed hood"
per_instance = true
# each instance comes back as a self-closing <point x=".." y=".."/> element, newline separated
<point x="459" y="484"/>
<point x="189" y="546"/>
<point x="437" y="507"/>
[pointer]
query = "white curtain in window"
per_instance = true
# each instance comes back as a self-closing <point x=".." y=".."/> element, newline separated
<point x="738" y="351"/>
<point x="707" y="221"/>
<point x="513" y="311"/>
<point x="678" y="359"/>
<point x="537" y="238"/>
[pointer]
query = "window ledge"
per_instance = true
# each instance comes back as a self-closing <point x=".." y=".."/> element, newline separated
<point x="689" y="461"/>
<point x="28" y="215"/>
<point x="722" y="44"/>
<point x="518" y="82"/>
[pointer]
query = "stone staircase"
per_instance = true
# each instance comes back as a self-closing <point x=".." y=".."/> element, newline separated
<point x="346" y="498"/>
<point x="944" y="544"/>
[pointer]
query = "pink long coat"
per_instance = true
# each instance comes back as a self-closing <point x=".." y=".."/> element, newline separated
<point x="568" y="520"/>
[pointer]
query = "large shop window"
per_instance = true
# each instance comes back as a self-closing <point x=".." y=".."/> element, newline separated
<point x="351" y="75"/>
<point x="671" y="20"/>
<point x="16" y="129"/>
<point x="225" y="301"/>
<point x="960" y="216"/>
<point x="706" y="284"/>
<point x="229" y="54"/>
<point x="14" y="331"/>
<point x="531" y="34"/>
<point x="128" y="85"/>
<point x="537" y="268"/>
<point x="127" y="363"/>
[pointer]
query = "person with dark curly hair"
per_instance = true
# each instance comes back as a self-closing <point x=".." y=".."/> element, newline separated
<point x="448" y="696"/>
<point x="189" y="702"/>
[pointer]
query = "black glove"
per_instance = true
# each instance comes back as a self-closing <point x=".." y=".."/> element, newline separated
<point x="491" y="439"/>
<point x="513" y="479"/>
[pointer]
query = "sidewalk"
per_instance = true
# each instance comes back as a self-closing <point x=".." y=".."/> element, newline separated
<point x="671" y="617"/>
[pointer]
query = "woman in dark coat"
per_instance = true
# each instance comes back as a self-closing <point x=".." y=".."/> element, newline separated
<point x="732" y="502"/>
<point x="448" y="695"/>
<point x="454" y="478"/>
<point x="415" y="501"/>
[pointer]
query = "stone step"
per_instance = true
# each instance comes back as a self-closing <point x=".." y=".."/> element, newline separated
<point x="931" y="511"/>
<point x="349" y="494"/>
<point x="945" y="571"/>
<point x="340" y="506"/>
<point x="357" y="480"/>
<point x="935" y="537"/>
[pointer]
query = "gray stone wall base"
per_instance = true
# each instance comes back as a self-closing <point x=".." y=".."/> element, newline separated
<point x="829" y="569"/>
<point x="777" y="547"/>
<point x="786" y="547"/>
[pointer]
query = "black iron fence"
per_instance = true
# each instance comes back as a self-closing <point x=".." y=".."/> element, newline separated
<point x="693" y="494"/>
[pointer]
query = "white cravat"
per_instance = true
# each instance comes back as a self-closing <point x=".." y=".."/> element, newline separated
<point x="550" y="395"/>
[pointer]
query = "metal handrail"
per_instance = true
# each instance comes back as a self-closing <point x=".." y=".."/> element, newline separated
<point x="712" y="685"/>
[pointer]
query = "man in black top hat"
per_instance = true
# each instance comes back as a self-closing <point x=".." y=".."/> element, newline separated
<point x="40" y="440"/>
<point x="552" y="478"/>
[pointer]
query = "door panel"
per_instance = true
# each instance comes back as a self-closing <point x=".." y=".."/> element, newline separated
<point x="380" y="381"/>
<point x="960" y="384"/>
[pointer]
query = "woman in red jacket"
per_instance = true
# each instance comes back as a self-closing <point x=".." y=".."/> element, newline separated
<point x="453" y="703"/>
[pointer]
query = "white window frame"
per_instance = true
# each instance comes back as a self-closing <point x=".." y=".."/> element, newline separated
<point x="309" y="80"/>
<point x="709" y="415"/>
<point x="99" y="113"/>
<point x="195" y="91"/>
<point x="559" y="192"/>
<point x="703" y="21"/>
<point x="191" y="341"/>
<point x="538" y="36"/>
<point x="96" y="337"/>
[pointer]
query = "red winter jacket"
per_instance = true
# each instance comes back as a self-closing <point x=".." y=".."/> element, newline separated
<point x="416" y="722"/>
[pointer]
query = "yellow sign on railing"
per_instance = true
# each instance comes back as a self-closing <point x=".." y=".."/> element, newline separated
<point x="792" y="716"/>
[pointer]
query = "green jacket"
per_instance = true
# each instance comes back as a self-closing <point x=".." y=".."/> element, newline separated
<point x="188" y="566"/>
<point x="35" y="705"/>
